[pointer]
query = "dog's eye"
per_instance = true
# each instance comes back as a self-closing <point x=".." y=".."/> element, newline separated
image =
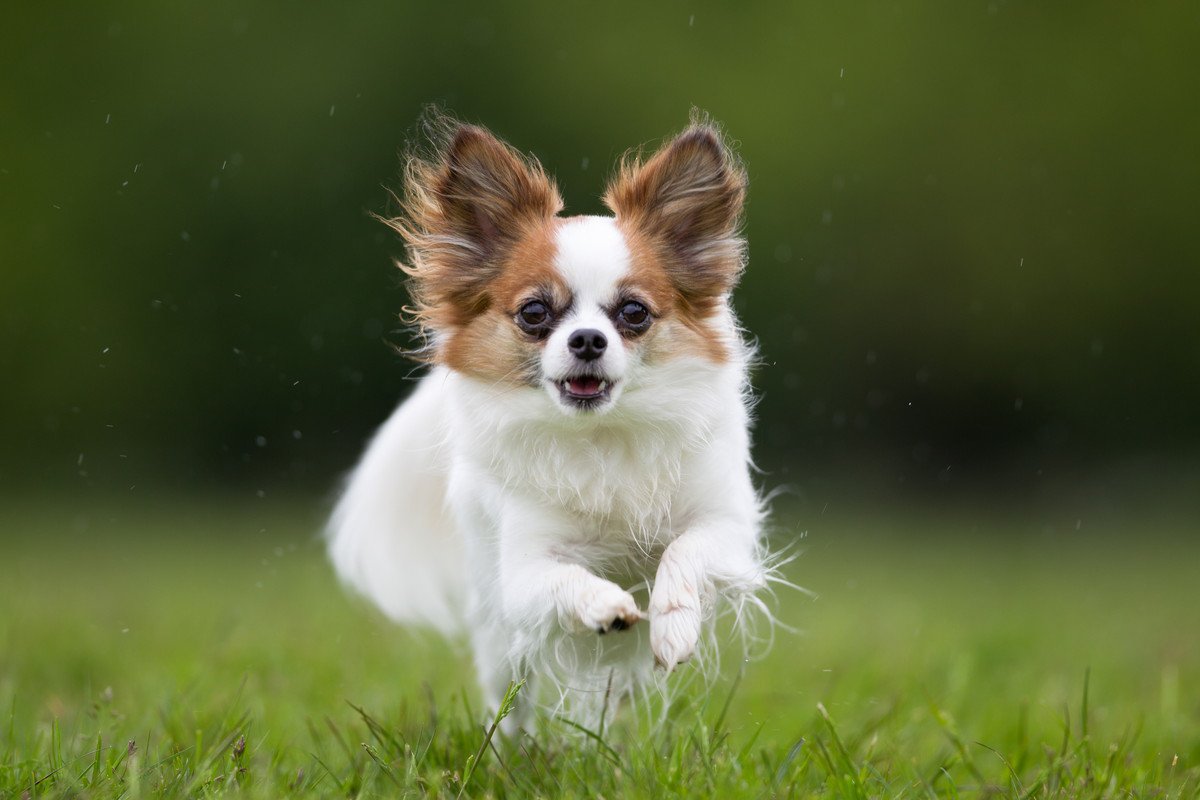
<point x="634" y="316"/>
<point x="533" y="317"/>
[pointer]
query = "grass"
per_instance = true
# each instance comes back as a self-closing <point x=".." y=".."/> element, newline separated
<point x="200" y="650"/>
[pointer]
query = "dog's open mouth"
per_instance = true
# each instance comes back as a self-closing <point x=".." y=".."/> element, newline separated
<point x="584" y="391"/>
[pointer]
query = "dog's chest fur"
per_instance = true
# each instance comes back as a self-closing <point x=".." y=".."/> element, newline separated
<point x="625" y="484"/>
<point x="614" y="474"/>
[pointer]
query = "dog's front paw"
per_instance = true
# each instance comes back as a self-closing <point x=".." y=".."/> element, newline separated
<point x="675" y="620"/>
<point x="603" y="606"/>
<point x="673" y="635"/>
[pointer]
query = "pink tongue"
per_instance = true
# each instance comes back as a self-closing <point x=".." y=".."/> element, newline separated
<point x="585" y="385"/>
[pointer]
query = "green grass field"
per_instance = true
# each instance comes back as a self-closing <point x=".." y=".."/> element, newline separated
<point x="205" y="649"/>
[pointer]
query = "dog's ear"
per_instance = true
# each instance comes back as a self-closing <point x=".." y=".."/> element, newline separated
<point x="687" y="199"/>
<point x="463" y="207"/>
<point x="486" y="190"/>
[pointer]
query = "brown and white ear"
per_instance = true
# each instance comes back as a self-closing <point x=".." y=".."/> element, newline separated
<point x="486" y="190"/>
<point x="462" y="209"/>
<point x="687" y="199"/>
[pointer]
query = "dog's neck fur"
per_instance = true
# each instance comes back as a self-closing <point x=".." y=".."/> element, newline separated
<point x="627" y="468"/>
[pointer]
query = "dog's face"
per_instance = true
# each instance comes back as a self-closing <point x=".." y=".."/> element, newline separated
<point x="580" y="308"/>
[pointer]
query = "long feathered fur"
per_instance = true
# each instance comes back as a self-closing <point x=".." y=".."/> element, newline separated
<point x="690" y="195"/>
<point x="496" y="507"/>
<point x="465" y="195"/>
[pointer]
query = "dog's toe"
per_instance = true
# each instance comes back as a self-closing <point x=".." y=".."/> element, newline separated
<point x="674" y="636"/>
<point x="619" y="623"/>
<point x="608" y="608"/>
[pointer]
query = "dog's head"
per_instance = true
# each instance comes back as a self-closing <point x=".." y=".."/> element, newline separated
<point x="580" y="308"/>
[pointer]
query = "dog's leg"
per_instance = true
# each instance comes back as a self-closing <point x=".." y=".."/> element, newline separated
<point x="543" y="578"/>
<point x="717" y="554"/>
<point x="496" y="671"/>
<point x="492" y="666"/>
<point x="542" y="588"/>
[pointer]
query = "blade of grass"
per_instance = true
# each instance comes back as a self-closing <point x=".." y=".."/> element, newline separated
<point x="607" y="751"/>
<point x="506" y="707"/>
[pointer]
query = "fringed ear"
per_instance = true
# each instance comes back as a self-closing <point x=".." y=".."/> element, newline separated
<point x="463" y="206"/>
<point x="687" y="199"/>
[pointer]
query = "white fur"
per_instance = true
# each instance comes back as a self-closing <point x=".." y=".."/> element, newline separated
<point x="494" y="510"/>
<point x="593" y="258"/>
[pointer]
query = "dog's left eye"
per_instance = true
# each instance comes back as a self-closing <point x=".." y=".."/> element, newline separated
<point x="634" y="316"/>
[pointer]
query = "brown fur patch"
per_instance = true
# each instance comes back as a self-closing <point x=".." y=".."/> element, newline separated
<point x="465" y="209"/>
<point x="681" y="326"/>
<point x="489" y="345"/>
<point x="684" y="204"/>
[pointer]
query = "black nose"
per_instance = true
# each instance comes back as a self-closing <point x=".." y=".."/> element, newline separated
<point x="587" y="344"/>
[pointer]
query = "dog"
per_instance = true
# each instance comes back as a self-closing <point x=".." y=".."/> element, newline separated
<point x="581" y="438"/>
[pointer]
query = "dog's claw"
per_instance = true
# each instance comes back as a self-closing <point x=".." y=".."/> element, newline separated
<point x="607" y="607"/>
<point x="660" y="664"/>
<point x="619" y="624"/>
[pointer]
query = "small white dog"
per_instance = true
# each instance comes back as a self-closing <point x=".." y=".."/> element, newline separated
<point x="582" y="437"/>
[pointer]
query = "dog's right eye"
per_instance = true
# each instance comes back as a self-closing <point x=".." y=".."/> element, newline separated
<point x="533" y="317"/>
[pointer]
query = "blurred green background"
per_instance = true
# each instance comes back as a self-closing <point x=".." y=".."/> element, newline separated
<point x="973" y="280"/>
<point x="973" y="263"/>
